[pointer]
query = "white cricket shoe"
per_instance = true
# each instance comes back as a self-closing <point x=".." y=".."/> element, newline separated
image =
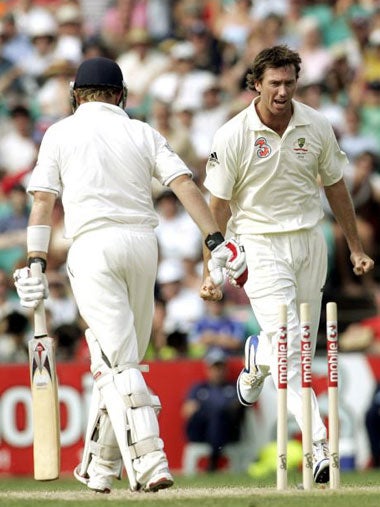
<point x="97" y="483"/>
<point x="321" y="462"/>
<point x="251" y="379"/>
<point x="160" y="480"/>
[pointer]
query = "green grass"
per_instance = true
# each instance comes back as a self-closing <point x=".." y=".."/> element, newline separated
<point x="358" y="489"/>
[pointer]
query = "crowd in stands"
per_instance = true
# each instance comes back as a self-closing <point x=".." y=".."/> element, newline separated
<point x="184" y="62"/>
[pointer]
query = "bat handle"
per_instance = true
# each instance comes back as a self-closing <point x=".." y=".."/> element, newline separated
<point x="40" y="329"/>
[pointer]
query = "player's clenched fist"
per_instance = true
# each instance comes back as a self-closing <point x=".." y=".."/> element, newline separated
<point x="229" y="255"/>
<point x="209" y="292"/>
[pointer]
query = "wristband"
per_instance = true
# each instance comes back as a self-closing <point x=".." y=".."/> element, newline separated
<point x="42" y="261"/>
<point x="38" y="237"/>
<point x="213" y="240"/>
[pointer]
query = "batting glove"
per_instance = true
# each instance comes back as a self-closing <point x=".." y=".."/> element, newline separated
<point x="30" y="289"/>
<point x="231" y="256"/>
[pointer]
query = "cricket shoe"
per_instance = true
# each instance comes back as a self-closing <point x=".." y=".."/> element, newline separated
<point x="97" y="483"/>
<point x="250" y="382"/>
<point x="321" y="462"/>
<point x="160" y="480"/>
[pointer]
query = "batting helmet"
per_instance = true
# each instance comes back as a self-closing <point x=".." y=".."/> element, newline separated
<point x="100" y="72"/>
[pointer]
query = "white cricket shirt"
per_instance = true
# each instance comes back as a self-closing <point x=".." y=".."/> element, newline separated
<point x="271" y="181"/>
<point x="102" y="163"/>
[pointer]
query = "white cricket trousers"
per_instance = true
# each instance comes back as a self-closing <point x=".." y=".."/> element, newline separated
<point x="112" y="271"/>
<point x="287" y="268"/>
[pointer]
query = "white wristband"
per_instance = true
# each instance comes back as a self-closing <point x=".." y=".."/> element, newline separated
<point x="37" y="238"/>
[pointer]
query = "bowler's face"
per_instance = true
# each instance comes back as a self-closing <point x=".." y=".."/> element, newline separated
<point x="276" y="90"/>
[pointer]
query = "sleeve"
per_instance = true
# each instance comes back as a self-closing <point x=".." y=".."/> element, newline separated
<point x="45" y="176"/>
<point x="168" y="165"/>
<point x="332" y="161"/>
<point x="221" y="168"/>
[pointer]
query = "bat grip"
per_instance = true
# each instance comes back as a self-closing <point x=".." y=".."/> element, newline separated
<point x="40" y="329"/>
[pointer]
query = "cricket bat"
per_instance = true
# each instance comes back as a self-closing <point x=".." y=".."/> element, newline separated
<point x="44" y="387"/>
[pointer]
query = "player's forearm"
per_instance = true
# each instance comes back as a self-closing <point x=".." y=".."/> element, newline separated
<point x="341" y="205"/>
<point x="39" y="224"/>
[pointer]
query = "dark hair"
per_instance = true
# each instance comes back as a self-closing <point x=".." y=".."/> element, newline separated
<point x="272" y="58"/>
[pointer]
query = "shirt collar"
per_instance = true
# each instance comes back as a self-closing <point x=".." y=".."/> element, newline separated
<point x="100" y="106"/>
<point x="299" y="116"/>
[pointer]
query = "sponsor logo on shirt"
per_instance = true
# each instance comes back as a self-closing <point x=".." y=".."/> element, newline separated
<point x="264" y="150"/>
<point x="168" y="147"/>
<point x="213" y="158"/>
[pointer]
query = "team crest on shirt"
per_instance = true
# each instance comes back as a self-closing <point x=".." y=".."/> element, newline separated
<point x="300" y="146"/>
<point x="263" y="150"/>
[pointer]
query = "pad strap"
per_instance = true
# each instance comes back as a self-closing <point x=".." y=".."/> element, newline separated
<point x="146" y="446"/>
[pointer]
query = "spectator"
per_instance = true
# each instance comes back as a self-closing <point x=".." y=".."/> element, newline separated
<point x="68" y="340"/>
<point x="13" y="338"/>
<point x="211" y="410"/>
<point x="234" y="25"/>
<point x="42" y="31"/>
<point x="370" y="110"/>
<point x="60" y="301"/>
<point x="53" y="97"/>
<point x="144" y="62"/>
<point x="177" y="234"/>
<point x="352" y="141"/>
<point x="13" y="225"/>
<point x="217" y="330"/>
<point x="207" y="49"/>
<point x="372" y="422"/>
<point x="119" y="18"/>
<point x="183" y="83"/>
<point x="70" y="33"/>
<point x="17" y="148"/>
<point x="183" y="306"/>
<point x="178" y="136"/>
<point x="316" y="58"/>
<point x="15" y="44"/>
<point x="359" y="181"/>
<point x="8" y="300"/>
<point x="214" y="112"/>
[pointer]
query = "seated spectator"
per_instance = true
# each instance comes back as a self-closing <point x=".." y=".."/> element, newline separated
<point x="352" y="141"/>
<point x="18" y="151"/>
<point x="13" y="223"/>
<point x="372" y="422"/>
<point x="68" y="338"/>
<point x="53" y="97"/>
<point x="179" y="138"/>
<point x="60" y="301"/>
<point x="178" y="237"/>
<point x="212" y="411"/>
<point x="9" y="302"/>
<point x="13" y="338"/>
<point x="216" y="330"/>
<point x="140" y="63"/>
<point x="214" y="113"/>
<point x="359" y="181"/>
<point x="233" y="25"/>
<point x="182" y="306"/>
<point x="42" y="30"/>
<point x="183" y="82"/>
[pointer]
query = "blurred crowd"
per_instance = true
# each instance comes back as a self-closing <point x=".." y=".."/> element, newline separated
<point x="184" y="62"/>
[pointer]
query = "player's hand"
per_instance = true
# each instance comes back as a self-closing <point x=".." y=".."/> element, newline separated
<point x="209" y="291"/>
<point x="30" y="289"/>
<point x="362" y="263"/>
<point x="231" y="256"/>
